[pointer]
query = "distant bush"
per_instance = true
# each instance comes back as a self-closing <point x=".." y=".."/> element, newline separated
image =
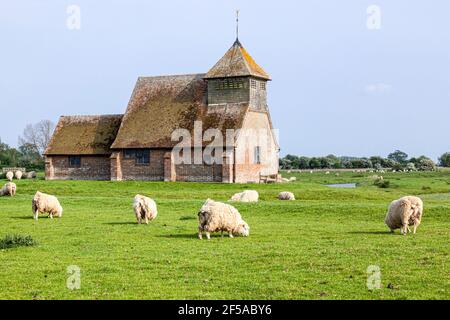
<point x="16" y="240"/>
<point x="382" y="183"/>
<point x="427" y="165"/>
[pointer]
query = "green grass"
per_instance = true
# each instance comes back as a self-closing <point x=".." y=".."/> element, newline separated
<point x="318" y="247"/>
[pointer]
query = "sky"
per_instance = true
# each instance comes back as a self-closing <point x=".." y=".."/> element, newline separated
<point x="353" y="77"/>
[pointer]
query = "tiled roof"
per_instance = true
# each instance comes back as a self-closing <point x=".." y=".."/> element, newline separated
<point x="160" y="105"/>
<point x="235" y="63"/>
<point x="84" y="135"/>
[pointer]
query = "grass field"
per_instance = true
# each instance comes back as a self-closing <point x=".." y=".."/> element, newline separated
<point x="318" y="247"/>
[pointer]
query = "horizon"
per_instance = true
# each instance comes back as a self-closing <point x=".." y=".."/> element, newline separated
<point x="325" y="61"/>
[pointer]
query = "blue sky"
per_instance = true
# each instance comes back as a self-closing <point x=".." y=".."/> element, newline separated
<point x="338" y="87"/>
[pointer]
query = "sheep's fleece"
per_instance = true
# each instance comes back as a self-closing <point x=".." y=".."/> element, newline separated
<point x="9" y="175"/>
<point x="216" y="216"/>
<point x="8" y="189"/>
<point x="286" y="196"/>
<point x="404" y="212"/>
<point x="246" y="196"/>
<point x="45" y="203"/>
<point x="144" y="208"/>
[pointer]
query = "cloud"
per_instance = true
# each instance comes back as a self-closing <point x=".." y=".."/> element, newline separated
<point x="377" y="88"/>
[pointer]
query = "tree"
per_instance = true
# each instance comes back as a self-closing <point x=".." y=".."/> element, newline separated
<point x="30" y="157"/>
<point x="38" y="135"/>
<point x="444" y="160"/>
<point x="426" y="164"/>
<point x="398" y="156"/>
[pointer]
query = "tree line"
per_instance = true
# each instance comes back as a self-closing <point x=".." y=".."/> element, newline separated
<point x="32" y="144"/>
<point x="397" y="160"/>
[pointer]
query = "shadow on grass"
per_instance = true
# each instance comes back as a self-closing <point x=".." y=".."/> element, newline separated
<point x="179" y="236"/>
<point x="371" y="232"/>
<point x="26" y="217"/>
<point x="121" y="223"/>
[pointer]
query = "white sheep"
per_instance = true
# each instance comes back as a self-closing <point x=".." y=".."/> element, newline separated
<point x="18" y="174"/>
<point x="9" y="176"/>
<point x="285" y="195"/>
<point x="404" y="212"/>
<point x="292" y="179"/>
<point x="246" y="196"/>
<point x="8" y="189"/>
<point x="31" y="175"/>
<point x="45" y="203"/>
<point x="144" y="209"/>
<point x="216" y="216"/>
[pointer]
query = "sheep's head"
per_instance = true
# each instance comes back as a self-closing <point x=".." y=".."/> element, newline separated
<point x="242" y="230"/>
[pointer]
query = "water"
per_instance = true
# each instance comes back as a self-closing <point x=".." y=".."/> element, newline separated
<point x="342" y="185"/>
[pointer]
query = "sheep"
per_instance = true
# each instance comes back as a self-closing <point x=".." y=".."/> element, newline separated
<point x="45" y="203"/>
<point x="292" y="179"/>
<point x="246" y="196"/>
<point x="9" y="176"/>
<point x="404" y="212"/>
<point x="144" y="208"/>
<point x="18" y="174"/>
<point x="286" y="196"/>
<point x="216" y="216"/>
<point x="8" y="189"/>
<point x="31" y="175"/>
<point x="285" y="180"/>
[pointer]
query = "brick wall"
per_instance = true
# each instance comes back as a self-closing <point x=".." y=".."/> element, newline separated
<point x="92" y="168"/>
<point x="198" y="173"/>
<point x="154" y="171"/>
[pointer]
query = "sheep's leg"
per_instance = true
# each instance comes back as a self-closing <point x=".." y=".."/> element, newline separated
<point x="36" y="215"/>
<point x="146" y="220"/>
<point x="415" y="228"/>
<point x="200" y="230"/>
<point x="409" y="229"/>
<point x="404" y="230"/>
<point x="221" y="233"/>
<point x="230" y="234"/>
<point x="208" y="235"/>
<point x="51" y="216"/>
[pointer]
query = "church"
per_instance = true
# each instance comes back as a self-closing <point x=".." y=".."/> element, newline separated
<point x="145" y="143"/>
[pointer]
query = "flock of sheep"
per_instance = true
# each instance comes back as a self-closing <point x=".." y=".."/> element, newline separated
<point x="219" y="217"/>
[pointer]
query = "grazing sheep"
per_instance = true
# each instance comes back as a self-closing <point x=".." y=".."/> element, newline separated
<point x="216" y="216"/>
<point x="286" y="196"/>
<point x="31" y="175"/>
<point x="8" y="189"/>
<point x="144" y="208"/>
<point x="328" y="172"/>
<point x="45" y="203"/>
<point x="18" y="174"/>
<point x="404" y="212"/>
<point x="246" y="196"/>
<point x="292" y="179"/>
<point x="9" y="176"/>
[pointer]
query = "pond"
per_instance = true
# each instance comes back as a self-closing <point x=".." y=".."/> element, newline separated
<point x="342" y="185"/>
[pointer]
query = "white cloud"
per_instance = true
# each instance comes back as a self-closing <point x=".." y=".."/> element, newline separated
<point x="377" y="88"/>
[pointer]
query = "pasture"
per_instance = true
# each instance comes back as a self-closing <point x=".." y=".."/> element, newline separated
<point x="317" y="247"/>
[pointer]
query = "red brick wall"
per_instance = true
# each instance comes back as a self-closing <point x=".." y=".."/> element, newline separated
<point x="154" y="171"/>
<point x="198" y="173"/>
<point x="92" y="168"/>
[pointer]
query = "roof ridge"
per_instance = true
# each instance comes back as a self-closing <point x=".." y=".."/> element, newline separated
<point x="174" y="75"/>
<point x="91" y="115"/>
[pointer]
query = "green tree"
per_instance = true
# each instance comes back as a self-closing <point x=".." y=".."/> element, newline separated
<point x="398" y="156"/>
<point x="444" y="160"/>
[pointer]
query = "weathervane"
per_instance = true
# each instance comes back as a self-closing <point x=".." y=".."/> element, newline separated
<point x="237" y="24"/>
